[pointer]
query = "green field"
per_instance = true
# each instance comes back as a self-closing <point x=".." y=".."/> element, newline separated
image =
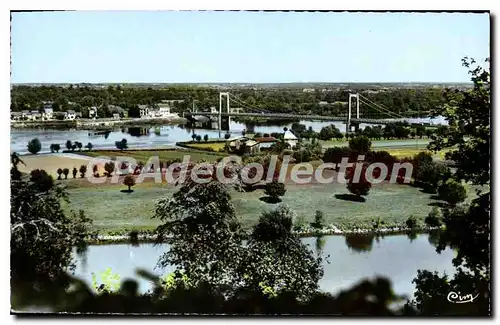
<point x="144" y="155"/>
<point x="114" y="211"/>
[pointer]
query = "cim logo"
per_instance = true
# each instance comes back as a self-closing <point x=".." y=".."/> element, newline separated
<point x="456" y="298"/>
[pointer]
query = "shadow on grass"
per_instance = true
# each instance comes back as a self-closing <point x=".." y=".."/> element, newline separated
<point x="428" y="190"/>
<point x="350" y="197"/>
<point x="438" y="204"/>
<point x="269" y="199"/>
<point x="126" y="191"/>
<point x="435" y="197"/>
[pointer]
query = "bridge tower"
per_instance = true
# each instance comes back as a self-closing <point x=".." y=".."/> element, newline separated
<point x="348" y="123"/>
<point x="226" y="122"/>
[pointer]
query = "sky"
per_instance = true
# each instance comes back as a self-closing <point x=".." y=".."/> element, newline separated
<point x="244" y="47"/>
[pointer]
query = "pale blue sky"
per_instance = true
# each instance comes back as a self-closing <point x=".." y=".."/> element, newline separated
<point x="114" y="46"/>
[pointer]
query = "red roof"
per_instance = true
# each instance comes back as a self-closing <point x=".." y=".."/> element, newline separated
<point x="266" y="139"/>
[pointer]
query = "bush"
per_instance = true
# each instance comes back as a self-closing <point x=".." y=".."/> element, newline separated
<point x="41" y="180"/>
<point x="275" y="189"/>
<point x="227" y="136"/>
<point x="34" y="146"/>
<point x="452" y="192"/>
<point x="435" y="218"/>
<point x="412" y="222"/>
<point x="360" y="144"/>
<point x="319" y="221"/>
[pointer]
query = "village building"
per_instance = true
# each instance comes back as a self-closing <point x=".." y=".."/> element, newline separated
<point x="290" y="138"/>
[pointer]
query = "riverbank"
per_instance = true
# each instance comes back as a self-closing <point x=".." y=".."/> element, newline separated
<point x="97" y="124"/>
<point x="149" y="237"/>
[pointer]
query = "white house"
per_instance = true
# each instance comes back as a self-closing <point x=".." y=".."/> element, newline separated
<point x="144" y="110"/>
<point x="93" y="112"/>
<point x="48" y="113"/>
<point x="35" y="115"/>
<point x="70" y="115"/>
<point x="290" y="138"/>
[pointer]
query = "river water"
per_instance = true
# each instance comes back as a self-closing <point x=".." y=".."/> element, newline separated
<point x="350" y="259"/>
<point x="151" y="137"/>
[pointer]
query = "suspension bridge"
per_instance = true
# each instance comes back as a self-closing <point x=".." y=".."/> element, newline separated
<point x="354" y="114"/>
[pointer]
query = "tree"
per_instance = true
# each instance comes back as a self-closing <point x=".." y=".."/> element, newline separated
<point x="466" y="229"/>
<point x="359" y="187"/>
<point x="78" y="145"/>
<point x="109" y="167"/>
<point x="89" y="146"/>
<point x="420" y="131"/>
<point x="319" y="221"/>
<point x="198" y="138"/>
<point x="59" y="173"/>
<point x="412" y="222"/>
<point x="129" y="181"/>
<point x="69" y="145"/>
<point x="65" y="171"/>
<point x="83" y="170"/>
<point x="360" y="144"/>
<point x="42" y="181"/>
<point x="274" y="225"/>
<point x="193" y="136"/>
<point x="95" y="170"/>
<point x="43" y="236"/>
<point x="52" y="148"/>
<point x="57" y="147"/>
<point x="205" y="137"/>
<point x="122" y="145"/>
<point x="34" y="146"/>
<point x="204" y="233"/>
<point x="277" y="260"/>
<point x="75" y="171"/>
<point x="274" y="190"/>
<point x="434" y="219"/>
<point x="335" y="154"/>
<point x="452" y="192"/>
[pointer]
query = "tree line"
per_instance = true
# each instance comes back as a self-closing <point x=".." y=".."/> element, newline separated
<point x="403" y="101"/>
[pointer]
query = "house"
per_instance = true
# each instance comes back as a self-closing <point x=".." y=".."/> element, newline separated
<point x="116" y="116"/>
<point x="78" y="114"/>
<point x="144" y="110"/>
<point x="48" y="113"/>
<point x="113" y="109"/>
<point x="265" y="142"/>
<point x="25" y="114"/>
<point x="35" y="115"/>
<point x="70" y="115"/>
<point x="163" y="110"/>
<point x="16" y="116"/>
<point x="251" y="145"/>
<point x="93" y="112"/>
<point x="290" y="138"/>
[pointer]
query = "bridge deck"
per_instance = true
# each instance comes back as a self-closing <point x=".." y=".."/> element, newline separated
<point x="301" y="117"/>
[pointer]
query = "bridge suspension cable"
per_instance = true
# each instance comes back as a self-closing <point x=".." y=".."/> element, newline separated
<point x="381" y="108"/>
<point x="388" y="113"/>
<point x="245" y="105"/>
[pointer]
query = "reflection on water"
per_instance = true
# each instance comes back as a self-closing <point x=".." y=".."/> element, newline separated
<point x="395" y="257"/>
<point x="360" y="242"/>
<point x="147" y="137"/>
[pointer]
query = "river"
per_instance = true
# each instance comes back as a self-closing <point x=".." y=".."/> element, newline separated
<point x="151" y="137"/>
<point x="350" y="259"/>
